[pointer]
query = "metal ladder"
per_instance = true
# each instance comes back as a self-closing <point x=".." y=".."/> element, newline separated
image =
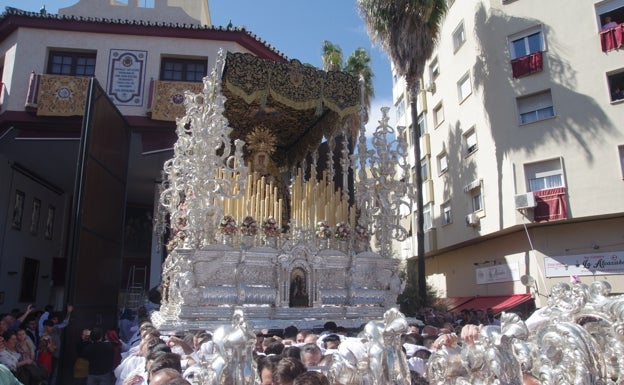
<point x="135" y="289"/>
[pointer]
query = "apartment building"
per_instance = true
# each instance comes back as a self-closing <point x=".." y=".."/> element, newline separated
<point x="522" y="141"/>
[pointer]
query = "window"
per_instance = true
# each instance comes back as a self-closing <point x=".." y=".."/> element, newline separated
<point x="434" y="69"/>
<point x="445" y="213"/>
<point x="476" y="199"/>
<point x="427" y="217"/>
<point x="470" y="141"/>
<point x="442" y="162"/>
<point x="71" y="63"/>
<point x="544" y="175"/>
<point x="616" y="85"/>
<point x="400" y="108"/>
<point x="526" y="43"/>
<point x="438" y="115"/>
<point x="614" y="10"/>
<point x="459" y="36"/>
<point x="424" y="169"/>
<point x="422" y="128"/>
<point x="185" y="70"/>
<point x="621" y="151"/>
<point x="464" y="88"/>
<point x="535" y="107"/>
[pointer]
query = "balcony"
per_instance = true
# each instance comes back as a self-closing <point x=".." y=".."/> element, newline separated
<point x="551" y="204"/>
<point x="612" y="38"/>
<point x="166" y="98"/>
<point x="527" y="65"/>
<point x="57" y="95"/>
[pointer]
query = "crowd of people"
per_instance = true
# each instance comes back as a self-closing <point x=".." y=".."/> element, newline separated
<point x="137" y="354"/>
<point x="30" y="345"/>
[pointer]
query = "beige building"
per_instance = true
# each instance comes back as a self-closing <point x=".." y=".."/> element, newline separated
<point x="523" y="149"/>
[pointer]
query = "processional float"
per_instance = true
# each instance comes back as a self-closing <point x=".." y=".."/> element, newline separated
<point x="276" y="218"/>
<point x="260" y="239"/>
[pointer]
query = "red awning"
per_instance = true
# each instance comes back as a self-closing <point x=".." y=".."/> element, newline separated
<point x="452" y="303"/>
<point x="497" y="303"/>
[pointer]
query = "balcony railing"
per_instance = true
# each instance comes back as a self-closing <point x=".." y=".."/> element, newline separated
<point x="57" y="95"/>
<point x="551" y="204"/>
<point x="527" y="65"/>
<point x="612" y="38"/>
<point x="166" y="98"/>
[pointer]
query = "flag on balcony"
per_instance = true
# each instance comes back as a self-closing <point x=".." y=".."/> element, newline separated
<point x="168" y="99"/>
<point x="612" y="38"/>
<point x="62" y="95"/>
<point x="551" y="205"/>
<point x="527" y="65"/>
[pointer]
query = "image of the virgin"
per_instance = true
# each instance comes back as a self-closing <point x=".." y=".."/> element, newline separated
<point x="260" y="162"/>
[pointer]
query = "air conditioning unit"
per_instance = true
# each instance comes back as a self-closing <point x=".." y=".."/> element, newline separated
<point x="472" y="219"/>
<point x="525" y="201"/>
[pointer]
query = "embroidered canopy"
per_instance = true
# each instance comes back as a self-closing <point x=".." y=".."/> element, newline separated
<point x="299" y="104"/>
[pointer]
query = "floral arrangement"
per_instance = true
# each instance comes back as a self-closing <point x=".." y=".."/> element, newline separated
<point x="228" y="225"/>
<point x="271" y="228"/>
<point x="178" y="229"/>
<point x="343" y="231"/>
<point x="176" y="241"/>
<point x="322" y="230"/>
<point x="249" y="226"/>
<point x="361" y="233"/>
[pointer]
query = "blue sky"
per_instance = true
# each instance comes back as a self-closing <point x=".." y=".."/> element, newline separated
<point x="297" y="28"/>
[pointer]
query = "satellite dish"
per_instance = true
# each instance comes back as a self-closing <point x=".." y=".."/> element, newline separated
<point x="527" y="280"/>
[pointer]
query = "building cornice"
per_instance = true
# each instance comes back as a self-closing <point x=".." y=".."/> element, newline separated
<point x="13" y="19"/>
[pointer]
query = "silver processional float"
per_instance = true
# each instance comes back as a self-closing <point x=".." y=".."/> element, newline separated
<point x="231" y="288"/>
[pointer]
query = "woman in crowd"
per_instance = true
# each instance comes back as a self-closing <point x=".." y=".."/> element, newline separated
<point x="24" y="368"/>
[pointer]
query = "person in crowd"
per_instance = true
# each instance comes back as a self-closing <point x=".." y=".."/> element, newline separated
<point x="311" y="378"/>
<point x="12" y="322"/>
<point x="47" y="346"/>
<point x="165" y="376"/>
<point x="330" y="342"/>
<point x="127" y="325"/>
<point x="129" y="364"/>
<point x="118" y="346"/>
<point x="100" y="356"/>
<point x="301" y="336"/>
<point x="329" y="327"/>
<point x="25" y="346"/>
<point x="311" y="338"/>
<point x="490" y="318"/>
<point x="30" y="326"/>
<point x="286" y="370"/>
<point x="139" y="376"/>
<point x="24" y="368"/>
<point x="292" y="351"/>
<point x="135" y="340"/>
<point x="290" y="335"/>
<point x="81" y="365"/>
<point x="7" y="377"/>
<point x="609" y="23"/>
<point x="311" y="355"/>
<point x="55" y="334"/>
<point x="47" y="313"/>
<point x="266" y="366"/>
<point x="273" y="347"/>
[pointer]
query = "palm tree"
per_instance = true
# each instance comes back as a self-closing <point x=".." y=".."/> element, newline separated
<point x="357" y="64"/>
<point x="332" y="56"/>
<point x="408" y="31"/>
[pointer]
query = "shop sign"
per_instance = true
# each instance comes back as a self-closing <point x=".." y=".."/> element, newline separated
<point x="497" y="273"/>
<point x="584" y="264"/>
